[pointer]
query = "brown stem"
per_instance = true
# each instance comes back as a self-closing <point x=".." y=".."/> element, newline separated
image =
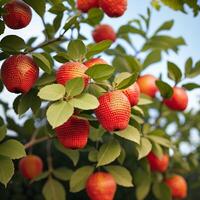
<point x="34" y="141"/>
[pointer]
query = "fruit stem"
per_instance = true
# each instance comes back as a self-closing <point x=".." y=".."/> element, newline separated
<point x="34" y="141"/>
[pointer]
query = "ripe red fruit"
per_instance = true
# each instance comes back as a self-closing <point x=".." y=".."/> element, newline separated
<point x="74" y="133"/>
<point x="147" y="84"/>
<point x="18" y="14"/>
<point x="114" y="111"/>
<point x="178" y="101"/>
<point x="19" y="73"/>
<point x="101" y="186"/>
<point x="31" y="166"/>
<point x="94" y="61"/>
<point x="178" y="186"/>
<point x="158" y="164"/>
<point x="103" y="32"/>
<point x="86" y="5"/>
<point x="113" y="8"/>
<point x="133" y="94"/>
<point x="71" y="70"/>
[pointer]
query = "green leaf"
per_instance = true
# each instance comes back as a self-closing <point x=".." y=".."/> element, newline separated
<point x="126" y="29"/>
<point x="79" y="178"/>
<point x="72" y="154"/>
<point x="42" y="62"/>
<point x="3" y="130"/>
<point x="70" y="21"/>
<point x="58" y="8"/>
<point x="125" y="83"/>
<point x="97" y="48"/>
<point x="8" y="41"/>
<point x="144" y="100"/>
<point x="142" y="182"/>
<point x="144" y="148"/>
<point x="92" y="156"/>
<point x="85" y="101"/>
<point x="46" y="79"/>
<point x="160" y="140"/>
<point x="12" y="149"/>
<point x="76" y="50"/>
<point x="188" y="66"/>
<point x="165" y="26"/>
<point x="161" y="191"/>
<point x="191" y="86"/>
<point x="95" y="15"/>
<point x="122" y="156"/>
<point x="59" y="112"/>
<point x="121" y="175"/>
<point x="42" y="176"/>
<point x="108" y="152"/>
<point x="175" y="4"/>
<point x="63" y="173"/>
<point x="52" y="92"/>
<point x="157" y="150"/>
<point x="100" y="72"/>
<point x="153" y="57"/>
<point x="75" y="87"/>
<point x="165" y="89"/>
<point x="174" y="72"/>
<point x="130" y="133"/>
<point x="6" y="170"/>
<point x="96" y="90"/>
<point x="38" y="6"/>
<point x="53" y="190"/>
<point x="2" y="27"/>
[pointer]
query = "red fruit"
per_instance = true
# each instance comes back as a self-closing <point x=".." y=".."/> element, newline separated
<point x="113" y="8"/>
<point x="31" y="166"/>
<point x="178" y="186"/>
<point x="103" y="32"/>
<point x="18" y="14"/>
<point x="178" y="101"/>
<point x="147" y="84"/>
<point x="133" y="94"/>
<point x="101" y="186"/>
<point x="114" y="111"/>
<point x="71" y="70"/>
<point x="94" y="61"/>
<point x="86" y="5"/>
<point x="74" y="133"/>
<point x="158" y="164"/>
<point x="19" y="73"/>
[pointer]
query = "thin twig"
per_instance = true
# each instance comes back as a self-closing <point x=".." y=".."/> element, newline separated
<point x="36" y="141"/>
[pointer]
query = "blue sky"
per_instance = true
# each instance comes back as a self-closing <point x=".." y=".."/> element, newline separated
<point x="185" y="25"/>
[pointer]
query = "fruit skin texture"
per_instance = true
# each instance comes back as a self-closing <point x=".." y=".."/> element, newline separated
<point x="178" y="186"/>
<point x="114" y="111"/>
<point x="133" y="94"/>
<point x="94" y="61"/>
<point x="74" y="133"/>
<point x="18" y="14"/>
<point x="86" y="5"/>
<point x="31" y="166"/>
<point x="178" y="101"/>
<point x="147" y="84"/>
<point x="158" y="164"/>
<point x="103" y="32"/>
<point x="113" y="8"/>
<point x="101" y="186"/>
<point x="19" y="73"/>
<point x="71" y="70"/>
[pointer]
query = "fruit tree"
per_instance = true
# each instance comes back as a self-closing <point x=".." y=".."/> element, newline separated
<point x="91" y="122"/>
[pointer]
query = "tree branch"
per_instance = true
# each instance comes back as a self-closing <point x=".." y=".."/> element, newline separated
<point x="36" y="141"/>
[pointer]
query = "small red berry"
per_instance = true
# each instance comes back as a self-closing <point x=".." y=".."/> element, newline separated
<point x="86" y="5"/>
<point x="94" y="61"/>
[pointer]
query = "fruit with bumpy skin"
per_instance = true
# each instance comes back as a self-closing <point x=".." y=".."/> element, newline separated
<point x="103" y="32"/>
<point x="74" y="133"/>
<point x="113" y="8"/>
<point x="147" y="84"/>
<point x="71" y="70"/>
<point x="158" y="164"/>
<point x="133" y="94"/>
<point x="94" y="61"/>
<point x="178" y="101"/>
<point x="86" y="5"/>
<point x="31" y="166"/>
<point x="101" y="186"/>
<point x="178" y="186"/>
<point x="18" y="14"/>
<point x="114" y="111"/>
<point x="19" y="73"/>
